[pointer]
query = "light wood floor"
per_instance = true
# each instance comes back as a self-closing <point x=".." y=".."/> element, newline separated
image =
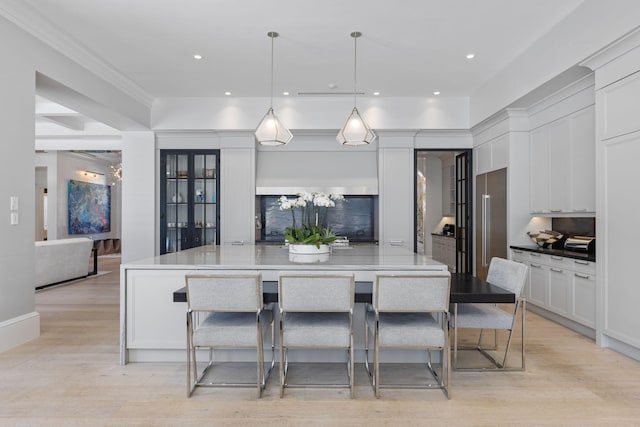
<point x="70" y="376"/>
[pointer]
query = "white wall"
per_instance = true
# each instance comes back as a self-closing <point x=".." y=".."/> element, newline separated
<point x="18" y="320"/>
<point x="309" y="113"/>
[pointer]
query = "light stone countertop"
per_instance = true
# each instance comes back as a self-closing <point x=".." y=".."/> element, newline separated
<point x="276" y="257"/>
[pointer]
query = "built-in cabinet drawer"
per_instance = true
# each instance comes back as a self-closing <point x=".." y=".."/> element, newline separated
<point x="562" y="285"/>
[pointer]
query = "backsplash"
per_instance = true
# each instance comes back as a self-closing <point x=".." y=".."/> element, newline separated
<point x="574" y="226"/>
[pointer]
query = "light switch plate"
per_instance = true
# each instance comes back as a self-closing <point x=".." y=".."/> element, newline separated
<point x="14" y="218"/>
<point x="14" y="203"/>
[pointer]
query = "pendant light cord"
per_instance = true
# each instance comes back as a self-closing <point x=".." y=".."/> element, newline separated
<point x="272" y="35"/>
<point x="355" y="65"/>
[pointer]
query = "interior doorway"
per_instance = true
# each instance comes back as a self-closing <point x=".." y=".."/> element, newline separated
<point x="442" y="218"/>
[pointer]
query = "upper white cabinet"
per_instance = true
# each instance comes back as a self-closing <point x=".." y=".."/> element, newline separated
<point x="539" y="170"/>
<point x="583" y="160"/>
<point x="493" y="154"/>
<point x="562" y="169"/>
<point x="559" y="161"/>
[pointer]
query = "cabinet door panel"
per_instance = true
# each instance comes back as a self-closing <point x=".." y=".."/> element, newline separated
<point x="584" y="303"/>
<point x="539" y="284"/>
<point x="539" y="171"/>
<point x="188" y="199"/>
<point x="396" y="221"/>
<point x="559" y="157"/>
<point x="560" y="291"/>
<point x="583" y="160"/>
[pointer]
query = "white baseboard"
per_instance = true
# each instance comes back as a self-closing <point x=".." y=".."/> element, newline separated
<point x="620" y="347"/>
<point x="19" y="330"/>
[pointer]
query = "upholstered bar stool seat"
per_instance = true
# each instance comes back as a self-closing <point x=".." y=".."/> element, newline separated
<point x="318" y="329"/>
<point x="233" y="330"/>
<point x="408" y="330"/>
<point x="483" y="316"/>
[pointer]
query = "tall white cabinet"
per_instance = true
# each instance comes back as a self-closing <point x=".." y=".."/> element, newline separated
<point x="617" y="152"/>
<point x="396" y="194"/>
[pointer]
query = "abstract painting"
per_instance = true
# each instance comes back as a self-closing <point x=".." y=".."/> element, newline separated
<point x="89" y="208"/>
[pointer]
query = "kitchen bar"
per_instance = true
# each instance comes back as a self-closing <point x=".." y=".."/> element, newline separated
<point x="152" y="326"/>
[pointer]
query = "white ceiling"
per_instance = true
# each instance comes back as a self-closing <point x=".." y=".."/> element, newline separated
<point x="408" y="47"/>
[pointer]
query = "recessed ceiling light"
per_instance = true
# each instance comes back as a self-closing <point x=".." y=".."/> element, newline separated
<point x="470" y="55"/>
<point x="227" y="93"/>
<point x="285" y="93"/>
<point x="197" y="56"/>
<point x="436" y="92"/>
<point x="376" y="93"/>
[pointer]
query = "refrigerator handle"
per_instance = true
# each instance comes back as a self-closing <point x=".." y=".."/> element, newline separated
<point x="486" y="228"/>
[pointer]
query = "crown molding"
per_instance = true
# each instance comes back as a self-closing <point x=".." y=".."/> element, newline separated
<point x="613" y="50"/>
<point x="35" y="24"/>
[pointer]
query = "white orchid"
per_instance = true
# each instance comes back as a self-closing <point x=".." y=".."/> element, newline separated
<point x="285" y="203"/>
<point x="312" y="231"/>
<point x="323" y="200"/>
<point x="300" y="202"/>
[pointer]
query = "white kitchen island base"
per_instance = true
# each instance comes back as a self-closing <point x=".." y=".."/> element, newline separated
<point x="153" y="327"/>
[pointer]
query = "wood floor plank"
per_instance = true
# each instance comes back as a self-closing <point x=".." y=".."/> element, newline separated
<point x="70" y="376"/>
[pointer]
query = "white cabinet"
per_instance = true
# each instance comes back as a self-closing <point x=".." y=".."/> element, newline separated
<point x="559" y="162"/>
<point x="539" y="283"/>
<point x="523" y="257"/>
<point x="562" y="165"/>
<point x="583" y="159"/>
<point x="238" y="181"/>
<point x="396" y="197"/>
<point x="561" y="285"/>
<point x="584" y="293"/>
<point x="539" y="170"/>
<point x="444" y="250"/>
<point x="492" y="155"/>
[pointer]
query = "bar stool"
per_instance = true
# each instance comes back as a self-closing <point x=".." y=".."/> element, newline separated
<point x="508" y="275"/>
<point x="411" y="311"/>
<point x="316" y="312"/>
<point x="226" y="311"/>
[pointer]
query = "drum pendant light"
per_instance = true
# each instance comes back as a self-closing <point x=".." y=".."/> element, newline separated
<point x="271" y="131"/>
<point x="355" y="130"/>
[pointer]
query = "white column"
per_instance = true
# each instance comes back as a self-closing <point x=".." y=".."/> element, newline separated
<point x="138" y="196"/>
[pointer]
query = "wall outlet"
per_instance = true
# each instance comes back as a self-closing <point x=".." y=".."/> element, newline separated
<point x="14" y="203"/>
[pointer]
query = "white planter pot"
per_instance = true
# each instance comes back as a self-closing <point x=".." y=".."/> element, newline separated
<point x="308" y="249"/>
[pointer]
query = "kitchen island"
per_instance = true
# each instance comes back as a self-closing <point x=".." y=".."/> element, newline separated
<point x="152" y="326"/>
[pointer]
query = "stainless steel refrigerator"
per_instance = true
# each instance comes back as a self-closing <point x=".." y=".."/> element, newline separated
<point x="491" y="219"/>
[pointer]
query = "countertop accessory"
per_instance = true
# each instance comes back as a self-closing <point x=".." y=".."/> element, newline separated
<point x="580" y="244"/>
<point x="545" y="238"/>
